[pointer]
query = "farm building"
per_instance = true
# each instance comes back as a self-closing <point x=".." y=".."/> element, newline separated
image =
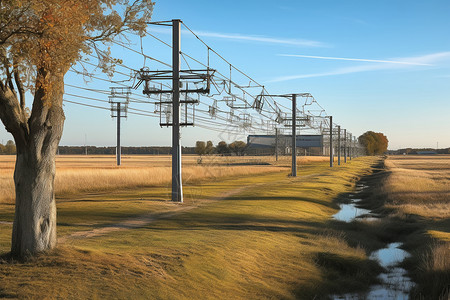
<point x="265" y="144"/>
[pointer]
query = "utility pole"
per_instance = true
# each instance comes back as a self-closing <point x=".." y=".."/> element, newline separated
<point x="339" y="145"/>
<point x="276" y="144"/>
<point x="177" y="185"/>
<point x="119" y="100"/>
<point x="345" y="145"/>
<point x="293" y="97"/>
<point x="118" y="149"/>
<point x="350" y="147"/>
<point x="331" y="142"/>
<point x="294" y="139"/>
<point x="170" y="108"/>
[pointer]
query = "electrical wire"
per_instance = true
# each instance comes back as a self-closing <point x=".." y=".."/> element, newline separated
<point x="214" y="114"/>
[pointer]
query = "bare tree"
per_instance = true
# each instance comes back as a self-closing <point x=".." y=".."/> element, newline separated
<point x="39" y="41"/>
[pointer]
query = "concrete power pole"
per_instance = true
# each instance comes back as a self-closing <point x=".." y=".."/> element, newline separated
<point x="118" y="149"/>
<point x="293" y="97"/>
<point x="170" y="108"/>
<point x="339" y="145"/>
<point x="345" y="145"/>
<point x="331" y="142"/>
<point x="276" y="144"/>
<point x="294" y="139"/>
<point x="119" y="100"/>
<point x="177" y="185"/>
<point x="350" y="147"/>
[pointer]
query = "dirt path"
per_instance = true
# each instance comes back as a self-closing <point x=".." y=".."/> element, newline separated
<point x="146" y="219"/>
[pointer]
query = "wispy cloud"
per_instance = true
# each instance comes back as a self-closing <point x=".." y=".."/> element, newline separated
<point x="425" y="60"/>
<point x="432" y="58"/>
<point x="262" y="39"/>
<point x="357" y="59"/>
<point x="248" y="38"/>
<point x="340" y="71"/>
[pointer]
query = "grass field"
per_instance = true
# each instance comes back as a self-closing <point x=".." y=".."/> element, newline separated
<point x="77" y="174"/>
<point x="250" y="233"/>
<point x="418" y="191"/>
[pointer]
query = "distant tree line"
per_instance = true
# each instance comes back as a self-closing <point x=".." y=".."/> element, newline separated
<point x="9" y="148"/>
<point x="374" y="143"/>
<point x="420" y="150"/>
<point x="93" y="150"/>
<point x="222" y="148"/>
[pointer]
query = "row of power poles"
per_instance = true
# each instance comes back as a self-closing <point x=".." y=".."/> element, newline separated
<point x="120" y="97"/>
<point x="347" y="143"/>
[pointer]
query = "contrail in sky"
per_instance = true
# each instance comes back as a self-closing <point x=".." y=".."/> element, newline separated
<point x="249" y="38"/>
<point x="357" y="59"/>
<point x="263" y="39"/>
<point x="401" y="63"/>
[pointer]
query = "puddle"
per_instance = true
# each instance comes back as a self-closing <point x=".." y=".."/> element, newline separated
<point x="390" y="256"/>
<point x="349" y="212"/>
<point x="395" y="283"/>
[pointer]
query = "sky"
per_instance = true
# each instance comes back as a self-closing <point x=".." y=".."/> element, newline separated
<point x="373" y="65"/>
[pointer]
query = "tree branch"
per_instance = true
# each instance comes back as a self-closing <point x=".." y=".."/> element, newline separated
<point x="114" y="29"/>
<point x="20" y="89"/>
<point x="13" y="116"/>
<point x="20" y="31"/>
<point x="8" y="73"/>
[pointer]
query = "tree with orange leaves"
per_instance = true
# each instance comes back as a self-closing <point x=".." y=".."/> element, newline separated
<point x="374" y="143"/>
<point x="39" y="41"/>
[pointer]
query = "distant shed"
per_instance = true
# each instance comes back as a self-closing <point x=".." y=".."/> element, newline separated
<point x="265" y="144"/>
<point x="426" y="152"/>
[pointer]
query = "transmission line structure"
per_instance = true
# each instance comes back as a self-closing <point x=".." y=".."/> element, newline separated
<point x="119" y="100"/>
<point x="209" y="93"/>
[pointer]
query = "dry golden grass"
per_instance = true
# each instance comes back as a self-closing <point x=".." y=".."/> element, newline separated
<point x="76" y="174"/>
<point x="420" y="185"/>
<point x="271" y="238"/>
<point x="437" y="259"/>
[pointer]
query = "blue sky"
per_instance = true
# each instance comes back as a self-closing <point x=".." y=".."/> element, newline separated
<point x="373" y="65"/>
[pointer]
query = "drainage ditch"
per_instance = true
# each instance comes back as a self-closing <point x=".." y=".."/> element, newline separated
<point x="395" y="283"/>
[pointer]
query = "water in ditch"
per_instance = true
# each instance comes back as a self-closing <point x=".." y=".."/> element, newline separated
<point x="349" y="212"/>
<point x="395" y="284"/>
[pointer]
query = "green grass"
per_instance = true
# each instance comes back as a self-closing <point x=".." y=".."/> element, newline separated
<point x="271" y="239"/>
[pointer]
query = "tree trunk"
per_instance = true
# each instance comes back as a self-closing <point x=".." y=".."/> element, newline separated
<point x="34" y="228"/>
